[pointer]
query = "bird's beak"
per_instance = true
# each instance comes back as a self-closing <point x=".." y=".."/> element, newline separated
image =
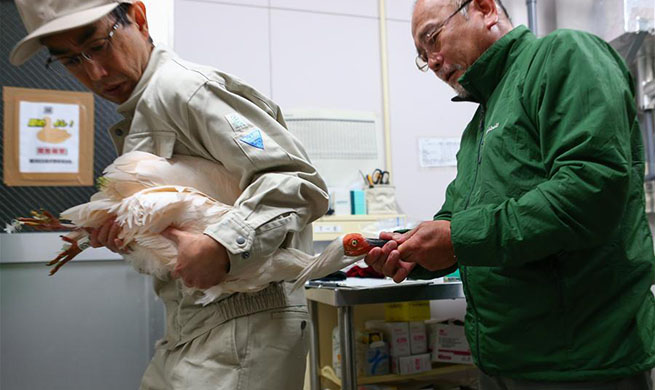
<point x="376" y="242"/>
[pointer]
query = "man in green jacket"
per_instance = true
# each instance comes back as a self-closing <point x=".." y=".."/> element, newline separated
<point x="545" y="218"/>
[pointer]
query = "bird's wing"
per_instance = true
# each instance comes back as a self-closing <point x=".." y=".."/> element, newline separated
<point x="121" y="177"/>
<point x="136" y="170"/>
<point x="154" y="209"/>
<point x="144" y="215"/>
<point x="211" y="177"/>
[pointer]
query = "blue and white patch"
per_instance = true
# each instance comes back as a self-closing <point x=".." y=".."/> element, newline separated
<point x="237" y="122"/>
<point x="254" y="138"/>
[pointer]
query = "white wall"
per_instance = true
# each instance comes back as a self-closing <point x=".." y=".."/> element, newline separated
<point x="160" y="20"/>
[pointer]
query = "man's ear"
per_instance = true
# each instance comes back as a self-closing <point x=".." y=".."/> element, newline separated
<point x="489" y="12"/>
<point x="138" y="15"/>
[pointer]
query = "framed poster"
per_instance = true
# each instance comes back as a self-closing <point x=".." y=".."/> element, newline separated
<point x="48" y="137"/>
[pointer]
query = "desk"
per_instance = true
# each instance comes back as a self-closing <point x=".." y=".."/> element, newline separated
<point x="344" y="299"/>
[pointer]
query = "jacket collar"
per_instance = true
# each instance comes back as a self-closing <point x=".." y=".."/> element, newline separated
<point x="482" y="78"/>
<point x="157" y="57"/>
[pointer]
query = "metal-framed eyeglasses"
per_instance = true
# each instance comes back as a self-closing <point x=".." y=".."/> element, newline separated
<point x="98" y="49"/>
<point x="431" y="39"/>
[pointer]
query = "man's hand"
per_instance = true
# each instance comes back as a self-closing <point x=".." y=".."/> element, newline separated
<point x="429" y="245"/>
<point x="107" y="236"/>
<point x="202" y="262"/>
<point x="386" y="260"/>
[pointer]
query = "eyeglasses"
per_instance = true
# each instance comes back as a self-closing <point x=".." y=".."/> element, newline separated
<point x="431" y="39"/>
<point x="97" y="50"/>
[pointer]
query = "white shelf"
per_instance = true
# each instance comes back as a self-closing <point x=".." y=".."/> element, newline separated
<point x="438" y="369"/>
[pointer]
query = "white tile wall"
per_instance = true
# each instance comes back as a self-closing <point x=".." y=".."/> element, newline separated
<point x="400" y="10"/>
<point x="325" y="61"/>
<point x="367" y="8"/>
<point x="233" y="38"/>
<point x="256" y="3"/>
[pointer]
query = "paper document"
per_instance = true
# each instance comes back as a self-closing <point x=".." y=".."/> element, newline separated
<point x="437" y="152"/>
<point x="363" y="283"/>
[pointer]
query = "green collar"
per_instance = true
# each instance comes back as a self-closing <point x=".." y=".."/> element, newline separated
<point x="481" y="78"/>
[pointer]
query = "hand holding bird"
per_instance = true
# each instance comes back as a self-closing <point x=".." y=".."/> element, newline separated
<point x="202" y="262"/>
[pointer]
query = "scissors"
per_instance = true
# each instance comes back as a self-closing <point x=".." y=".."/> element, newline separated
<point x="379" y="176"/>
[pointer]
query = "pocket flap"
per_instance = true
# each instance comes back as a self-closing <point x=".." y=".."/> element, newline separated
<point x="160" y="143"/>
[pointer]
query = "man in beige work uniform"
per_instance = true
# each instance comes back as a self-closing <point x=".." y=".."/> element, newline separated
<point x="242" y="341"/>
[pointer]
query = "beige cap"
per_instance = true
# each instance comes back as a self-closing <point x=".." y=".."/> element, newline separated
<point x="45" y="17"/>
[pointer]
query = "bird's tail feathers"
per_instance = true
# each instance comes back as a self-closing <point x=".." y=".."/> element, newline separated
<point x="324" y="264"/>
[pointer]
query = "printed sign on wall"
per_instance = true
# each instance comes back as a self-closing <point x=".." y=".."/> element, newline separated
<point x="48" y="137"/>
<point x="438" y="152"/>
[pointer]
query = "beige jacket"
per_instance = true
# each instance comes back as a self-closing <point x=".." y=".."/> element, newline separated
<point x="183" y="108"/>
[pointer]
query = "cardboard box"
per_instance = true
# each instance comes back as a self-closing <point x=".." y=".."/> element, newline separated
<point x="411" y="364"/>
<point x="448" y="343"/>
<point x="395" y="333"/>
<point x="377" y="359"/>
<point x="336" y="351"/>
<point x="407" y="311"/>
<point x="418" y="340"/>
<point x="360" y="352"/>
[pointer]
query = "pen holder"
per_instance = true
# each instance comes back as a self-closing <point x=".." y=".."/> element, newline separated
<point x="381" y="199"/>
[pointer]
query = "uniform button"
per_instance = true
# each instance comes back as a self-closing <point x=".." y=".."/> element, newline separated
<point x="119" y="132"/>
<point x="245" y="255"/>
<point x="241" y="240"/>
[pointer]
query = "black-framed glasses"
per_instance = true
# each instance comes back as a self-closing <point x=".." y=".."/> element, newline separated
<point x="97" y="50"/>
<point x="421" y="59"/>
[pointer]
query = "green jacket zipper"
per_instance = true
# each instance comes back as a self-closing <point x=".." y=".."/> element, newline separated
<point x="463" y="269"/>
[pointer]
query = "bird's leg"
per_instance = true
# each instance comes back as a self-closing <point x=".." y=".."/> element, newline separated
<point x="45" y="221"/>
<point x="69" y="253"/>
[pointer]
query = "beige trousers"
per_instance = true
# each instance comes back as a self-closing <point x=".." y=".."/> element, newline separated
<point x="264" y="350"/>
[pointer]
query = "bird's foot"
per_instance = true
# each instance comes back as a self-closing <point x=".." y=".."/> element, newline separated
<point x="44" y="220"/>
<point x="72" y="249"/>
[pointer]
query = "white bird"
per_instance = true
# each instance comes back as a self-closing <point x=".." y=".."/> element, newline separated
<point x="147" y="193"/>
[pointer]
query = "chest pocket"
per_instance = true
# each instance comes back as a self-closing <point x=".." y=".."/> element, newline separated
<point x="160" y="143"/>
<point x="511" y="164"/>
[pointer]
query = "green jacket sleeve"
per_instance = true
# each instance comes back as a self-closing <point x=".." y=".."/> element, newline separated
<point x="444" y="214"/>
<point x="446" y="211"/>
<point x="581" y="103"/>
